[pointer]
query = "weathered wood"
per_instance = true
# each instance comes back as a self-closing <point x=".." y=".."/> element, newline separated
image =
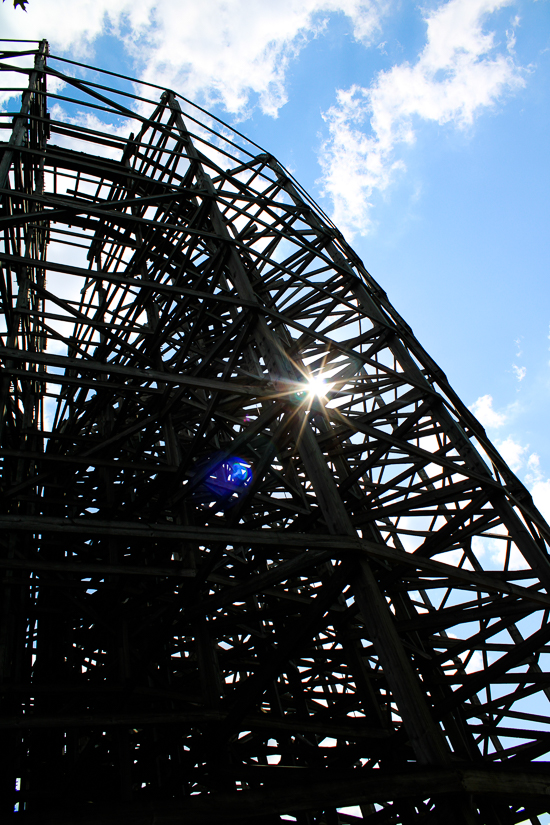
<point x="146" y="376"/>
<point x="375" y="786"/>
<point x="491" y="581"/>
<point x="222" y="597"/>
<point x="288" y="724"/>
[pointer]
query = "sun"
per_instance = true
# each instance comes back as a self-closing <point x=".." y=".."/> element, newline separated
<point x="317" y="386"/>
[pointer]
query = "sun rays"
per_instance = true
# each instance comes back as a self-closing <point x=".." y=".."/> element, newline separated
<point x="317" y="386"/>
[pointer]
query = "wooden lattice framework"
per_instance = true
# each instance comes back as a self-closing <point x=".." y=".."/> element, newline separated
<point x="226" y="598"/>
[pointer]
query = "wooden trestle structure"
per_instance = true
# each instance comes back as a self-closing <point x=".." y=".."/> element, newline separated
<point x="226" y="598"/>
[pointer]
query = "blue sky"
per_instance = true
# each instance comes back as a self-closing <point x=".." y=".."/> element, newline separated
<point x="422" y="129"/>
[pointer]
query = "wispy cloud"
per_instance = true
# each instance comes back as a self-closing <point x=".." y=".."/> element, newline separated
<point x="233" y="53"/>
<point x="519" y="372"/>
<point x="460" y="72"/>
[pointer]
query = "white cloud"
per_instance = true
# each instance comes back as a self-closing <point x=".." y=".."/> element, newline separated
<point x="515" y="562"/>
<point x="214" y="50"/>
<point x="520" y="372"/>
<point x="539" y="486"/>
<point x="541" y="496"/>
<point x="484" y="412"/>
<point x="475" y="661"/>
<point x="533" y="463"/>
<point x="228" y="52"/>
<point x="459" y="73"/>
<point x="494" y="550"/>
<point x="511" y="35"/>
<point x="512" y="452"/>
<point x="63" y="26"/>
<point x="91" y="121"/>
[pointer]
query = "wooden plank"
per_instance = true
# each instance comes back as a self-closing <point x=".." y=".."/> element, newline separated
<point x="82" y="365"/>
<point x="271" y="538"/>
<point x="352" y="730"/>
<point x="511" y="786"/>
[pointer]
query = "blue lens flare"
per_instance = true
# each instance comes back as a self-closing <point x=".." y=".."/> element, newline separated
<point x="225" y="482"/>
<point x="237" y="472"/>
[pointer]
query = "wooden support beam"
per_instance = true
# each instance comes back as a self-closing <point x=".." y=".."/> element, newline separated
<point x="510" y="786"/>
<point x="223" y="598"/>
